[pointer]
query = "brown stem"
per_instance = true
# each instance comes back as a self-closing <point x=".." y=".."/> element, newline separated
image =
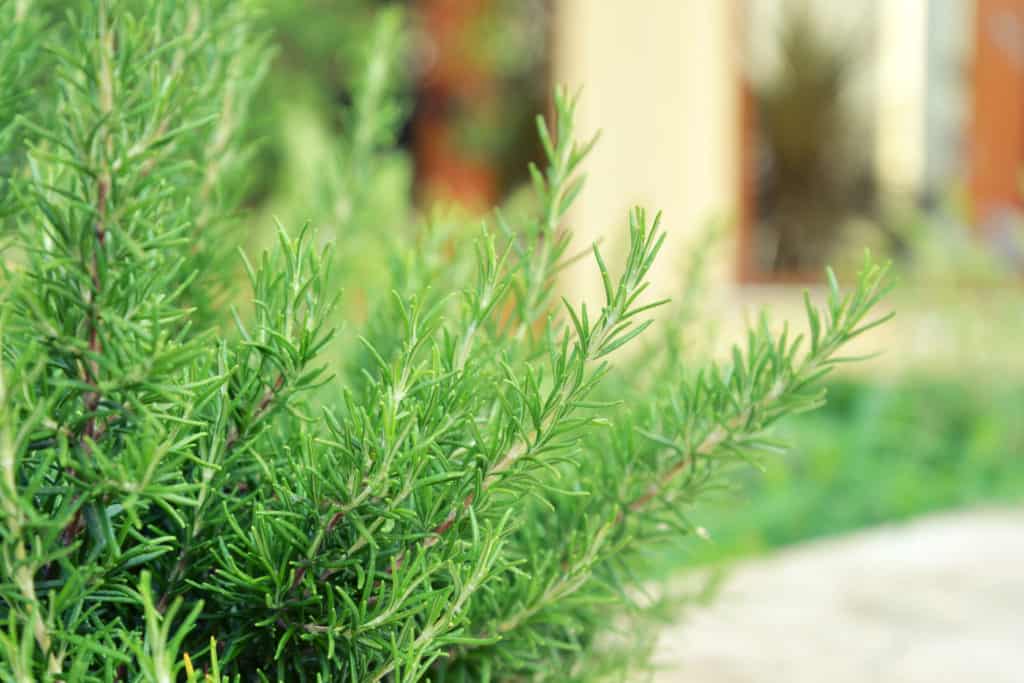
<point x="176" y="574"/>
<point x="713" y="440"/>
<point x="654" y="489"/>
<point x="234" y="436"/>
<point x="90" y="368"/>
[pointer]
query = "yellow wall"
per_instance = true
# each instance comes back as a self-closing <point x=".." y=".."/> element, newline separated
<point x="658" y="81"/>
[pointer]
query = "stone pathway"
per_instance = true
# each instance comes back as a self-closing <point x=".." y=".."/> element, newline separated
<point x="938" y="600"/>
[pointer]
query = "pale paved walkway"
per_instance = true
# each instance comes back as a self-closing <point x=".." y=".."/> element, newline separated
<point x="937" y="600"/>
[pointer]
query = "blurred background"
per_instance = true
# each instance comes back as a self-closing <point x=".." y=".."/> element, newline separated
<point x="798" y="132"/>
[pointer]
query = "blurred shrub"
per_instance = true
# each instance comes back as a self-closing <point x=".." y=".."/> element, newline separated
<point x="309" y="85"/>
<point x="942" y="248"/>
<point x="814" y="172"/>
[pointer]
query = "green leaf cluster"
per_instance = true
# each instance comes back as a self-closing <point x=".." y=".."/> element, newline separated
<point x="188" y="494"/>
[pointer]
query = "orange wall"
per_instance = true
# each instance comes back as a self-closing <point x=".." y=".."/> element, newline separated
<point x="997" y="139"/>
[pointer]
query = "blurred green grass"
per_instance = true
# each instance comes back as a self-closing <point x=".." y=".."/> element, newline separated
<point x="875" y="453"/>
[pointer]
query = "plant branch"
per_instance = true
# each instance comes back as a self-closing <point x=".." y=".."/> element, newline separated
<point x="235" y="436"/>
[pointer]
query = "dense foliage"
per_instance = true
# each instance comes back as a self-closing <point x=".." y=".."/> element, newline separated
<point x="186" y="492"/>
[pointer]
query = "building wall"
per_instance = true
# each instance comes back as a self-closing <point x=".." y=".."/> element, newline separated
<point x="946" y="109"/>
<point x="658" y="80"/>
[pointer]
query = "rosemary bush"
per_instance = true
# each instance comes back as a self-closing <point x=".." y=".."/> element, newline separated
<point x="187" y="494"/>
